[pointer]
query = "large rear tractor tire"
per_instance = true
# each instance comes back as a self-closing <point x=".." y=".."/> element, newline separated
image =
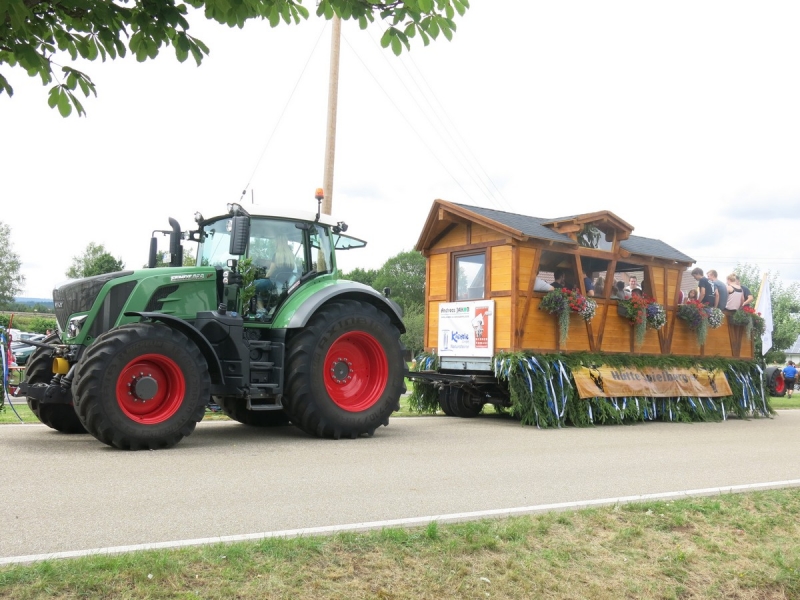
<point x="236" y="409"/>
<point x="39" y="372"/>
<point x="141" y="386"/>
<point x="344" y="371"/>
<point x="775" y="381"/>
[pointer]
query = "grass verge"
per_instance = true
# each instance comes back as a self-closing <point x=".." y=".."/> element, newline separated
<point x="731" y="546"/>
<point x="7" y="416"/>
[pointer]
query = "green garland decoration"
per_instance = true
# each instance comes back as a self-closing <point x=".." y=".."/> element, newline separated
<point x="541" y="395"/>
<point x="543" y="392"/>
<point x="424" y="398"/>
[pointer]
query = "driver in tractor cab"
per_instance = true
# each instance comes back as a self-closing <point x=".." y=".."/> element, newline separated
<point x="278" y="269"/>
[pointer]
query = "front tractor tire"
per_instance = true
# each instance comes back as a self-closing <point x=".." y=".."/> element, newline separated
<point x="39" y="372"/>
<point x="344" y="371"/>
<point x="141" y="386"/>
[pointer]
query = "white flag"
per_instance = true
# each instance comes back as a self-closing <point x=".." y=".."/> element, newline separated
<point x="764" y="306"/>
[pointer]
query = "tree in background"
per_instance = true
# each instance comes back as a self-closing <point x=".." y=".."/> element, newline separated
<point x="414" y="320"/>
<point x="365" y="276"/>
<point x="404" y="274"/>
<point x="11" y="280"/>
<point x="188" y="260"/>
<point x="94" y="261"/>
<point x="33" y="31"/>
<point x="785" y="310"/>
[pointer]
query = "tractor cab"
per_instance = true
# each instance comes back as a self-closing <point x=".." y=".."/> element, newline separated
<point x="263" y="256"/>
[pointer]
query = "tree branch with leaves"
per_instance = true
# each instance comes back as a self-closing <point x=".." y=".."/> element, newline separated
<point x="42" y="36"/>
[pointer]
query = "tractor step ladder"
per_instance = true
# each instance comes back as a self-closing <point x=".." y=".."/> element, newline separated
<point x="263" y="396"/>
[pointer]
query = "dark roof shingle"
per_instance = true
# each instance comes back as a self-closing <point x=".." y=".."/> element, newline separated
<point x="533" y="227"/>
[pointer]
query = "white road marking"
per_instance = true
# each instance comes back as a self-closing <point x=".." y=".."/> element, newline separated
<point x="407" y="522"/>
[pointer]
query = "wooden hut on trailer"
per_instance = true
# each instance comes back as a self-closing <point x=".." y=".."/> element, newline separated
<point x="497" y="261"/>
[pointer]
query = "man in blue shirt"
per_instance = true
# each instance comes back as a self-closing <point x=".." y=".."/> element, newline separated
<point x="707" y="295"/>
<point x="789" y="377"/>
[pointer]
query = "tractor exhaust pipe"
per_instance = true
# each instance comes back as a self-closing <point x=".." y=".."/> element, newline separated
<point x="175" y="248"/>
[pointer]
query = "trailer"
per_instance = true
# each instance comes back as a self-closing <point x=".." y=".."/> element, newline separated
<point x="496" y="334"/>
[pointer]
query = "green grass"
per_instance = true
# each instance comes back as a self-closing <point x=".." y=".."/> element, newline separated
<point x="7" y="416"/>
<point x="731" y="546"/>
<point x="784" y="402"/>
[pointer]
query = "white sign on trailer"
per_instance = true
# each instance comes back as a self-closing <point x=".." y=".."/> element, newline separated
<point x="466" y="328"/>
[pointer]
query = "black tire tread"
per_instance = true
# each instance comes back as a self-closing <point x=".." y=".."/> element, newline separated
<point x="61" y="417"/>
<point x="91" y="369"/>
<point x="299" y="403"/>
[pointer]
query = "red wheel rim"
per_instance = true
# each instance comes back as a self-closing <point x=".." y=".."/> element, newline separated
<point x="150" y="389"/>
<point x="356" y="371"/>
<point x="780" y="385"/>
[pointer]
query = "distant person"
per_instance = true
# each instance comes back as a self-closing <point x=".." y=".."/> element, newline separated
<point x="707" y="294"/>
<point x="789" y="377"/>
<point x="599" y="286"/>
<point x="633" y="284"/>
<point x="692" y="295"/>
<point x="588" y="284"/>
<point x="636" y="293"/>
<point x="735" y="293"/>
<point x="49" y="332"/>
<point x="540" y="285"/>
<point x="560" y="281"/>
<point x="618" y="291"/>
<point x="721" y="288"/>
<point x="747" y="296"/>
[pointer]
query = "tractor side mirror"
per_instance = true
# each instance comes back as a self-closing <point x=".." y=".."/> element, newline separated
<point x="240" y="235"/>
<point x="152" y="258"/>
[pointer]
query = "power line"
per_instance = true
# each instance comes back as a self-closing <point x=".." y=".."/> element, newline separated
<point x="280" y="118"/>
<point x="453" y="145"/>
<point x="405" y="118"/>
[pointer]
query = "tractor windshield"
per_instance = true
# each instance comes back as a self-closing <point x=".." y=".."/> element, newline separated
<point x="277" y="247"/>
<point x="213" y="250"/>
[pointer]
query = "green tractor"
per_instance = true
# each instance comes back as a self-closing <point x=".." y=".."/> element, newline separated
<point x="263" y="326"/>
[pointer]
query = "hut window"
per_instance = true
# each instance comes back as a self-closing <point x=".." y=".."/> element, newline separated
<point x="591" y="237"/>
<point x="470" y="271"/>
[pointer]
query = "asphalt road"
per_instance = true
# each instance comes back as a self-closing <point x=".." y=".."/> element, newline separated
<point x="65" y="493"/>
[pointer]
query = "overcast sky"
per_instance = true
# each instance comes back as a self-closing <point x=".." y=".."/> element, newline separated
<point x="682" y="118"/>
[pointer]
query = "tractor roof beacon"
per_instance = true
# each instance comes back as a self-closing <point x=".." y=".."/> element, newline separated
<point x="263" y="325"/>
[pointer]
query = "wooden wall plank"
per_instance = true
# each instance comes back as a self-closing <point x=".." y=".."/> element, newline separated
<point x="501" y="267"/>
<point x="455" y="237"/>
<point x="482" y="234"/>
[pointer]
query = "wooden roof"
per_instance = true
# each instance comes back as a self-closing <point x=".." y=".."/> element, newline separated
<point x="444" y="215"/>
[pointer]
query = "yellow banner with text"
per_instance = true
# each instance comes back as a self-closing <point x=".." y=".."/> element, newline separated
<point x="651" y="382"/>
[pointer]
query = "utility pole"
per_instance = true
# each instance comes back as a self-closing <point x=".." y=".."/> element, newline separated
<point x="333" y="99"/>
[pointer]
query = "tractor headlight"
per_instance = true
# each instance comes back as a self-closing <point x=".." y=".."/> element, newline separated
<point x="74" y="326"/>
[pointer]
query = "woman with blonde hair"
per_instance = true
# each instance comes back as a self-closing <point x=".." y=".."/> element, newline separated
<point x="735" y="293"/>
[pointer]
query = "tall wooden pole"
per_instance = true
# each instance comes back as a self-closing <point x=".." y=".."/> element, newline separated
<point x="333" y="99"/>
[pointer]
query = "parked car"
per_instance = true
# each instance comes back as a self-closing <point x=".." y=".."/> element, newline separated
<point x="21" y="350"/>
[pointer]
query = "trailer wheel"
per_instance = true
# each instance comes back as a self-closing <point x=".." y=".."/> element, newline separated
<point x="141" y="386"/>
<point x="444" y="401"/>
<point x="461" y="404"/>
<point x="236" y="409"/>
<point x="39" y="372"/>
<point x="775" y="381"/>
<point x="344" y="371"/>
